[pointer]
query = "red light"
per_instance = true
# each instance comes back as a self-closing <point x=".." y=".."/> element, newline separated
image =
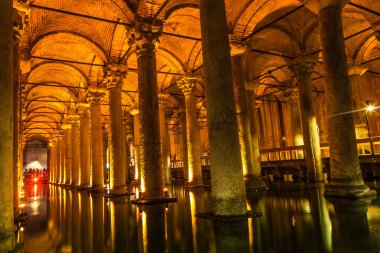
<point x="35" y="179"/>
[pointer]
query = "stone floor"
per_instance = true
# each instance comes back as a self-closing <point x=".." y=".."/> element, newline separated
<point x="296" y="218"/>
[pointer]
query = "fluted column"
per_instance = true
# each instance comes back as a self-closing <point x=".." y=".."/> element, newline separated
<point x="165" y="142"/>
<point x="184" y="150"/>
<point x="228" y="193"/>
<point x="7" y="240"/>
<point x="145" y="38"/>
<point x="97" y="172"/>
<point x="67" y="173"/>
<point x="118" y="172"/>
<point x="62" y="158"/>
<point x="75" y="149"/>
<point x="52" y="160"/>
<point x="85" y="152"/>
<point x="346" y="179"/>
<point x="136" y="139"/>
<point x="187" y="85"/>
<point x="302" y="68"/>
<point x="355" y="73"/>
<point x="128" y="126"/>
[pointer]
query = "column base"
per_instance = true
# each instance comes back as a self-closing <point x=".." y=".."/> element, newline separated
<point x="157" y="201"/>
<point x="7" y="244"/>
<point x="348" y="191"/>
<point x="228" y="218"/>
<point x="84" y="187"/>
<point x="118" y="192"/>
<point x="254" y="183"/>
<point x="97" y="189"/>
<point x="311" y="177"/>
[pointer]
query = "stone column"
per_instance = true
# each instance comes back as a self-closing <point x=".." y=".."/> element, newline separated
<point x="292" y="97"/>
<point x="52" y="160"/>
<point x="302" y="68"/>
<point x="75" y="144"/>
<point x="67" y="173"/>
<point x="136" y="138"/>
<point x="165" y="141"/>
<point x="355" y="73"/>
<point x="128" y="126"/>
<point x="118" y="172"/>
<point x="84" y="140"/>
<point x="7" y="227"/>
<point x="145" y="38"/>
<point x="258" y="182"/>
<point x="62" y="159"/>
<point x="97" y="172"/>
<point x="58" y="154"/>
<point x="187" y="85"/>
<point x="184" y="149"/>
<point x="228" y="194"/>
<point x="346" y="179"/>
<point x="251" y="178"/>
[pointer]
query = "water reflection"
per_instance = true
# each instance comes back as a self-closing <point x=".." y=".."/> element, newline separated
<point x="297" y="218"/>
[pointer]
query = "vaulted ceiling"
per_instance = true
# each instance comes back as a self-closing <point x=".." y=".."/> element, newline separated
<point x="68" y="43"/>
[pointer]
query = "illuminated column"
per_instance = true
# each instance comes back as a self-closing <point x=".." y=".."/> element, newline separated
<point x="346" y="179"/>
<point x="146" y="37"/>
<point x="7" y="227"/>
<point x="118" y="171"/>
<point x="84" y="142"/>
<point x="258" y="181"/>
<point x="59" y="158"/>
<point x="292" y="98"/>
<point x="128" y="125"/>
<point x="187" y="85"/>
<point x="355" y="73"/>
<point x="68" y="154"/>
<point x="246" y="147"/>
<point x="185" y="161"/>
<point x="227" y="183"/>
<point x="52" y="160"/>
<point x="165" y="141"/>
<point x="62" y="159"/>
<point x="75" y="144"/>
<point x="136" y="138"/>
<point x="97" y="172"/>
<point x="302" y="68"/>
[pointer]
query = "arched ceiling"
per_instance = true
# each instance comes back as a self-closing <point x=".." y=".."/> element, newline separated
<point x="69" y="43"/>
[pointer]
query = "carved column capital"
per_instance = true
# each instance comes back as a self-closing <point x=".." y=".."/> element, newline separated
<point x="187" y="85"/>
<point x="302" y="67"/>
<point x="162" y="100"/>
<point x="73" y="119"/>
<point x="95" y="95"/>
<point x="292" y="96"/>
<point x="356" y="70"/>
<point x="145" y="36"/>
<point x="83" y="110"/>
<point x="237" y="48"/>
<point x="116" y="75"/>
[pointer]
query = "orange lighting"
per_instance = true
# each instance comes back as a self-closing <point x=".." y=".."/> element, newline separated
<point x="35" y="179"/>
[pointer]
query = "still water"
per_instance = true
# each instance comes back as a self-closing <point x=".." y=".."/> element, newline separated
<point x="296" y="218"/>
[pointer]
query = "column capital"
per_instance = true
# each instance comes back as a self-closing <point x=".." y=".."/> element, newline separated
<point x="66" y="126"/>
<point x="116" y="75"/>
<point x="187" y="85"/>
<point x="59" y="135"/>
<point x="317" y="5"/>
<point x="134" y="111"/>
<point x="356" y="70"/>
<point x="145" y="36"/>
<point x="237" y="48"/>
<point x="291" y="96"/>
<point x="83" y="110"/>
<point x="74" y="119"/>
<point x="162" y="100"/>
<point x="302" y="66"/>
<point x="95" y="95"/>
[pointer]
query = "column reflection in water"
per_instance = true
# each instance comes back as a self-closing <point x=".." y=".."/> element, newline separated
<point x="350" y="228"/>
<point x="85" y="222"/>
<point x="67" y="234"/>
<point x="231" y="236"/>
<point x="97" y="207"/>
<point x="153" y="229"/>
<point x="76" y="221"/>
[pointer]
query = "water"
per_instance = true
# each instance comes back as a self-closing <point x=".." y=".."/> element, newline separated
<point x="296" y="218"/>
